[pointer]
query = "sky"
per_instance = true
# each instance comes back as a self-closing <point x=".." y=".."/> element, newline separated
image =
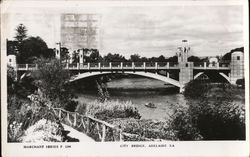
<point x="148" y="30"/>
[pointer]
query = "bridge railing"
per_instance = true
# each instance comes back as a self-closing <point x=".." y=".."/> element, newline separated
<point x="21" y="66"/>
<point x="72" y="66"/>
<point x="115" y="64"/>
<point x="199" y="64"/>
<point x="139" y="64"/>
<point x="95" y="128"/>
<point x="173" y="64"/>
<point x="224" y="64"/>
<point x="129" y="65"/>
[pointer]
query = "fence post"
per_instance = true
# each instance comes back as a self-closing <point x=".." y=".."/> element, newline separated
<point x="27" y="66"/>
<point x="156" y="65"/>
<point x="167" y="65"/>
<point x="88" y="125"/>
<point x="59" y="114"/>
<point x="144" y="65"/>
<point x="70" y="123"/>
<point x="133" y="65"/>
<point x="120" y="135"/>
<point x="103" y="132"/>
<point x="74" y="119"/>
<point x="88" y="66"/>
<point x="205" y="65"/>
<point x="110" y="65"/>
<point x="99" y="66"/>
<point x="121" y="65"/>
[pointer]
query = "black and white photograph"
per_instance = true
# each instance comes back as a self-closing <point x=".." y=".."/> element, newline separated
<point x="139" y="75"/>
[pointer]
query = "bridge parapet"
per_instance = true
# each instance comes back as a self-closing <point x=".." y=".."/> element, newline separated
<point x="130" y="65"/>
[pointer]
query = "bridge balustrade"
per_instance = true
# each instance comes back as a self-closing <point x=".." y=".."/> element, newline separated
<point x="162" y="64"/>
<point x="93" y="65"/>
<point x="150" y="64"/>
<point x="116" y="64"/>
<point x="224" y="64"/>
<point x="21" y="66"/>
<point x="173" y="64"/>
<point x="72" y="66"/>
<point x="131" y="65"/>
<point x="127" y="64"/>
<point x="32" y="66"/>
<point x="200" y="64"/>
<point x="104" y="64"/>
<point x="138" y="64"/>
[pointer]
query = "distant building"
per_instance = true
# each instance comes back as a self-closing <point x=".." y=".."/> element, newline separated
<point x="12" y="47"/>
<point x="213" y="61"/>
<point x="80" y="31"/>
<point x="11" y="60"/>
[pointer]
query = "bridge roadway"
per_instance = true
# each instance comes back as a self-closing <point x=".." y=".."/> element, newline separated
<point x="130" y="66"/>
<point x="151" y="70"/>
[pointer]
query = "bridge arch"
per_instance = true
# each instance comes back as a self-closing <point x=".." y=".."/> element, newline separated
<point x="227" y="78"/>
<point x="146" y="74"/>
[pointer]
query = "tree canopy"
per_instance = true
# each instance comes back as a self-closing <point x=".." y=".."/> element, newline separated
<point x="21" y="33"/>
<point x="33" y="48"/>
<point x="52" y="80"/>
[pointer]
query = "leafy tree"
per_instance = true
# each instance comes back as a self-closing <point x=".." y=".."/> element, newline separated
<point x="212" y="116"/>
<point x="75" y="57"/>
<point x="33" y="48"/>
<point x="194" y="59"/>
<point x="161" y="58"/>
<point x="64" y="54"/>
<point x="227" y="56"/>
<point x="173" y="59"/>
<point x="52" y="80"/>
<point x="21" y="33"/>
<point x="114" y="58"/>
<point x="195" y="89"/>
<point x="12" y="47"/>
<point x="94" y="56"/>
<point x="135" y="58"/>
<point x="241" y="82"/>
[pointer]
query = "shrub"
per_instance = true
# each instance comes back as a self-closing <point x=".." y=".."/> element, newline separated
<point x="215" y="116"/>
<point x="14" y="131"/>
<point x="241" y="82"/>
<point x="150" y="129"/>
<point x="81" y="108"/>
<point x="42" y="131"/>
<point x="196" y="88"/>
<point x="112" y="109"/>
<point x="25" y="113"/>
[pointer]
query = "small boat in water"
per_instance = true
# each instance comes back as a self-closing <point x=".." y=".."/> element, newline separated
<point x="150" y="105"/>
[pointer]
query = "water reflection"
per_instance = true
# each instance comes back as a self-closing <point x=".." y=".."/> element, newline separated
<point x="141" y="91"/>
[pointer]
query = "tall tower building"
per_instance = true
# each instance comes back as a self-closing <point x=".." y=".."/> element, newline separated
<point x="80" y="31"/>
<point x="183" y="51"/>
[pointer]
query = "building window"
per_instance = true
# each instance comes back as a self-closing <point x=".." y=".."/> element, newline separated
<point x="238" y="57"/>
<point x="186" y="65"/>
<point x="9" y="60"/>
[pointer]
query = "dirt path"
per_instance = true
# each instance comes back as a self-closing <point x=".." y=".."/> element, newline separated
<point x="78" y="135"/>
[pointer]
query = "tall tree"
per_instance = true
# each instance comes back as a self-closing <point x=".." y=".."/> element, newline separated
<point x="21" y="33"/>
<point x="32" y="48"/>
<point x="135" y="58"/>
<point x="52" y="80"/>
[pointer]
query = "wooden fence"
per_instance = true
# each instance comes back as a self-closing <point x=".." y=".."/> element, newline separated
<point x="97" y="129"/>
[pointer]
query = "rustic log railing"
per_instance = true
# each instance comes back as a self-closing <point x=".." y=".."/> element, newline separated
<point x="95" y="128"/>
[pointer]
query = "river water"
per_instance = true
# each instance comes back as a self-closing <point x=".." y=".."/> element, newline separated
<point x="141" y="91"/>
